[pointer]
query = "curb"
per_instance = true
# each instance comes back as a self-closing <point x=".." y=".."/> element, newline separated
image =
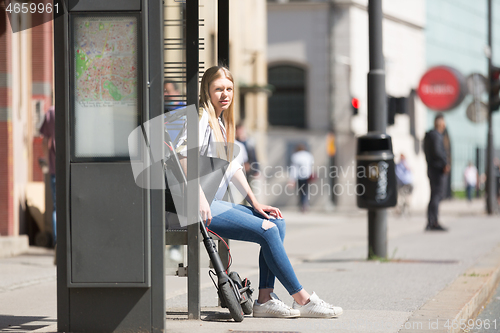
<point x="11" y="246"/>
<point x="460" y="301"/>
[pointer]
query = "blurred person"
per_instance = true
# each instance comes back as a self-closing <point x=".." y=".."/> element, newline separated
<point x="496" y="163"/>
<point x="404" y="179"/>
<point x="251" y="166"/>
<point x="258" y="223"/>
<point x="438" y="168"/>
<point x="331" y="150"/>
<point x="404" y="175"/>
<point x="48" y="131"/>
<point x="171" y="96"/>
<point x="470" y="179"/>
<point x="242" y="157"/>
<point x="448" y="193"/>
<point x="301" y="172"/>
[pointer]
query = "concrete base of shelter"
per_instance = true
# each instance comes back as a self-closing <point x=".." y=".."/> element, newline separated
<point x="13" y="245"/>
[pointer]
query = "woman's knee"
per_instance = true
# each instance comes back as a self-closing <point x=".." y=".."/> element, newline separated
<point x="267" y="224"/>
<point x="272" y="231"/>
<point x="280" y="224"/>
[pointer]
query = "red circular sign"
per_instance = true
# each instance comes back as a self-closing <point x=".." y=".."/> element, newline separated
<point x="441" y="88"/>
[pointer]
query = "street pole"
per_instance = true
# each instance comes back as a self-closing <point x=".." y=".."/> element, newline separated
<point x="491" y="203"/>
<point x="377" y="120"/>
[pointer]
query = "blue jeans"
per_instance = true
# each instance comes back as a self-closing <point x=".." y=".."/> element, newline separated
<point x="244" y="223"/>
<point x="469" y="189"/>
<point x="53" y="187"/>
<point x="303" y="189"/>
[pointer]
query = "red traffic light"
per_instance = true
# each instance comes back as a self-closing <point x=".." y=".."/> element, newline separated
<point x="355" y="103"/>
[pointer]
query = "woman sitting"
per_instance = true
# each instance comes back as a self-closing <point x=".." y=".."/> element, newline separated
<point x="260" y="223"/>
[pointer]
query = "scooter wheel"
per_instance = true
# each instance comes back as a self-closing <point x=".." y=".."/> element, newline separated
<point x="231" y="302"/>
<point x="247" y="305"/>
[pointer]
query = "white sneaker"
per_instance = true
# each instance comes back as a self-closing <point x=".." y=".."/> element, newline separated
<point x="274" y="308"/>
<point x="317" y="308"/>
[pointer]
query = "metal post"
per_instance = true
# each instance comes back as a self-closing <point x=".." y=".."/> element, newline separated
<point x="223" y="32"/>
<point x="491" y="201"/>
<point x="193" y="229"/>
<point x="61" y="92"/>
<point x="478" y="166"/>
<point x="377" y="120"/>
<point x="223" y="59"/>
<point x="157" y="198"/>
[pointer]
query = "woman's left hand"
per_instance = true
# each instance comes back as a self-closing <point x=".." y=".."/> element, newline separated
<point x="264" y="209"/>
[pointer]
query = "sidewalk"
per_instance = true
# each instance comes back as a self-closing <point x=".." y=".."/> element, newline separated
<point x="328" y="252"/>
<point x="376" y="296"/>
<point x="28" y="291"/>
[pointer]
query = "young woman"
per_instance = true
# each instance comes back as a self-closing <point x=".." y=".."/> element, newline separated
<point x="260" y="223"/>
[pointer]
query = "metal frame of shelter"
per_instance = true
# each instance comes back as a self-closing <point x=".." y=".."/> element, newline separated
<point x="191" y="236"/>
<point x="111" y="274"/>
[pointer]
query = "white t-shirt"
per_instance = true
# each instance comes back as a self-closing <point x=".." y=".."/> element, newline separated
<point x="470" y="175"/>
<point x="302" y="164"/>
<point x="207" y="147"/>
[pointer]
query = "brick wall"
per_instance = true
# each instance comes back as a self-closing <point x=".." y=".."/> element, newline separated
<point x="42" y="76"/>
<point x="37" y="153"/>
<point x="6" y="157"/>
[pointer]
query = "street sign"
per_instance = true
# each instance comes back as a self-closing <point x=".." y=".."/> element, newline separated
<point x="477" y="84"/>
<point x="442" y="88"/>
<point x="477" y="112"/>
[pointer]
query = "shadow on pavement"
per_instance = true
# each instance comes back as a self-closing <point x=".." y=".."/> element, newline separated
<point x="406" y="261"/>
<point x="206" y="315"/>
<point x="20" y="323"/>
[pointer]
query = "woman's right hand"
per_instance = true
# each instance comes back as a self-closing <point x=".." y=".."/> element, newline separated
<point x="206" y="214"/>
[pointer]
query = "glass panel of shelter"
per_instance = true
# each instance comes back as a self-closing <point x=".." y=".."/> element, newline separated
<point x="175" y="95"/>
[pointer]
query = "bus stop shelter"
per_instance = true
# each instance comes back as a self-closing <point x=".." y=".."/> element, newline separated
<point x="111" y="61"/>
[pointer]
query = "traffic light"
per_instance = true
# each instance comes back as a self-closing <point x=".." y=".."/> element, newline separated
<point x="494" y="88"/>
<point x="355" y="105"/>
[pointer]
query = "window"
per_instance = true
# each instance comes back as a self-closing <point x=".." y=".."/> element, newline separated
<point x="287" y="103"/>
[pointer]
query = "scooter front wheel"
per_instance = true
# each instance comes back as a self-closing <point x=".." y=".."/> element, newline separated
<point x="231" y="302"/>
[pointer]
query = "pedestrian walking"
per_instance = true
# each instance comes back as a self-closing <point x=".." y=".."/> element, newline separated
<point x="438" y="168"/>
<point x="301" y="173"/>
<point x="470" y="179"/>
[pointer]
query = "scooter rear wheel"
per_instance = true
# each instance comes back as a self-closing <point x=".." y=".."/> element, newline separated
<point x="247" y="305"/>
<point x="231" y="302"/>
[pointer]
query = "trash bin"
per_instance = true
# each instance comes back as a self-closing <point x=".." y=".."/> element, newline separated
<point x="375" y="172"/>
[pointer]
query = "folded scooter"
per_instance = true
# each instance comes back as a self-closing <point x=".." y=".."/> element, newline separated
<point x="234" y="293"/>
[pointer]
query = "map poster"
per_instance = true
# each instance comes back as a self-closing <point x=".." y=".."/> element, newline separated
<point x="106" y="104"/>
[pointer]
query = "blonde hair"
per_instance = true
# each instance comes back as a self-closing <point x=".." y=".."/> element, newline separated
<point x="212" y="74"/>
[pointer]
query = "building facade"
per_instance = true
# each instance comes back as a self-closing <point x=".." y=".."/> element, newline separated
<point x="327" y="42"/>
<point x="25" y="94"/>
<point x="456" y="35"/>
